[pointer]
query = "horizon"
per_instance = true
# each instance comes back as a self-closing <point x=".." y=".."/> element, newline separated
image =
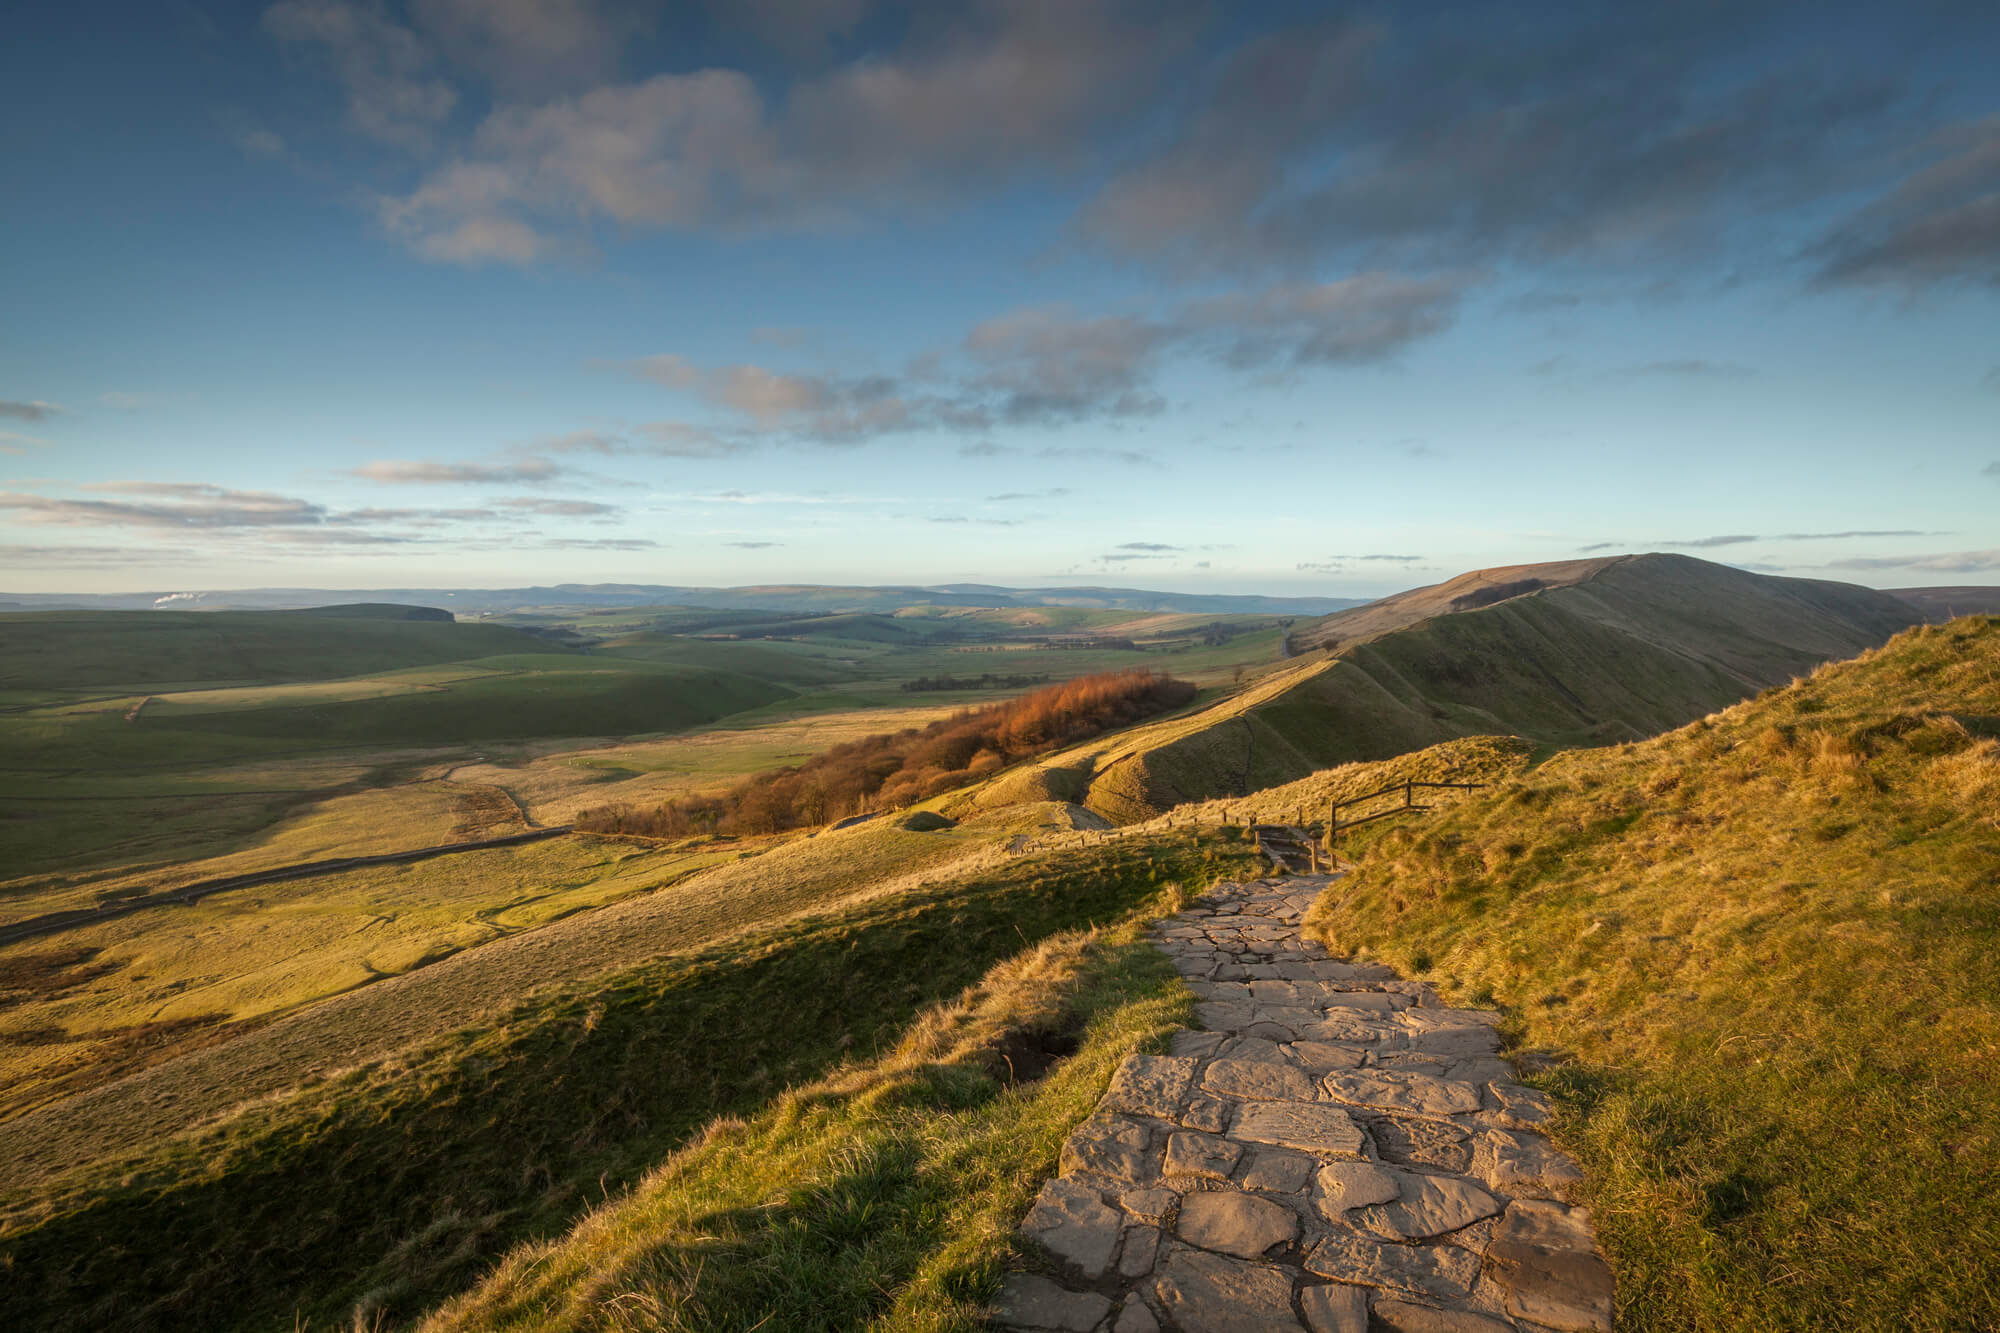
<point x="1263" y="300"/>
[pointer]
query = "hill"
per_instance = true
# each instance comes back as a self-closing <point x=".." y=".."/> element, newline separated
<point x="1576" y="653"/>
<point x="71" y="650"/>
<point x="1762" y="955"/>
<point x="768" y="597"/>
<point x="1941" y="604"/>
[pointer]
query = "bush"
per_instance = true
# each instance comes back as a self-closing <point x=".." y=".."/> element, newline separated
<point x="886" y="771"/>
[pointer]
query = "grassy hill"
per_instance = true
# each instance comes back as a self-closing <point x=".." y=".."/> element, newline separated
<point x="1769" y="941"/>
<point x="1579" y="653"/>
<point x="73" y="650"/>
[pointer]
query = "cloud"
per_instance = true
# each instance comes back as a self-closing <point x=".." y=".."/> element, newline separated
<point x="484" y="474"/>
<point x="1598" y="546"/>
<point x="1601" y="136"/>
<point x="1147" y="546"/>
<point x="986" y="449"/>
<point x="599" y="544"/>
<point x="1046" y="364"/>
<point x="12" y="442"/>
<point x="1991" y="469"/>
<point x="28" y="411"/>
<point x="40" y="559"/>
<point x="1007" y="497"/>
<point x="560" y="508"/>
<point x="1940" y="224"/>
<point x="1730" y="539"/>
<point x="1950" y="562"/>
<point x="1129" y="457"/>
<point x="753" y="546"/>
<point x="970" y="96"/>
<point x="530" y="48"/>
<point x="1841" y="536"/>
<point x="1358" y="319"/>
<point x="1685" y="368"/>
<point x="1991" y="380"/>
<point x="167" y="506"/>
<point x="392" y="93"/>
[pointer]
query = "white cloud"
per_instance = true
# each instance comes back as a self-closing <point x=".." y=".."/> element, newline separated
<point x="392" y="93"/>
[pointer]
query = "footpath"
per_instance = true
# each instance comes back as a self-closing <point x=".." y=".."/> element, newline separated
<point x="1335" y="1151"/>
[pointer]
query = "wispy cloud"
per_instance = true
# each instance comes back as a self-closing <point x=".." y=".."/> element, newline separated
<point x="753" y="546"/>
<point x="1685" y="368"/>
<point x="28" y="411"/>
<point x="1727" y="539"/>
<point x="391" y="472"/>
<point x="167" y="506"/>
<point x="561" y="508"/>
<point x="1148" y="546"/>
<point x="1948" y="562"/>
<point x="1008" y="497"/>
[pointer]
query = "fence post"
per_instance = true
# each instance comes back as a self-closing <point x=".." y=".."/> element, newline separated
<point x="1409" y="793"/>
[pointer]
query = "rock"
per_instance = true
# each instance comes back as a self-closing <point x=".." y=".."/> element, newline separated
<point x="1071" y="1222"/>
<point x="1206" y="1113"/>
<point x="1190" y="1154"/>
<point x="1544" y="1258"/>
<point x="1277" y="1172"/>
<point x="1347" y="1185"/>
<point x="1523" y="1165"/>
<point x="1521" y="1108"/>
<point x="1150" y="1085"/>
<point x="1218" y="1295"/>
<point x="1252" y="1048"/>
<point x="1401" y="1090"/>
<point x="1150" y="1205"/>
<point x="1239" y="1224"/>
<point x="1136" y="1255"/>
<point x="1112" y="1147"/>
<point x="1429" y="1206"/>
<point x="1404" y="1317"/>
<point x="1136" y="1318"/>
<point x="1027" y="1301"/>
<point x="1258" y="1079"/>
<point x="1335" y="1308"/>
<point x="1411" y="1142"/>
<point x="1195" y="1044"/>
<point x="1314" y="1128"/>
<point x="1378" y="1001"/>
<point x="1218" y="1017"/>
<point x="1320" y="1056"/>
<point x="1439" y="1271"/>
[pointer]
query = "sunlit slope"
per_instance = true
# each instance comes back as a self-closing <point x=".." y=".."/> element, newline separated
<point x="1773" y="939"/>
<point x="1583" y="652"/>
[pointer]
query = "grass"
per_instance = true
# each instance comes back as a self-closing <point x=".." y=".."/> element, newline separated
<point x="391" y="1186"/>
<point x="884" y="1196"/>
<point x="1769" y="945"/>
<point x="124" y="650"/>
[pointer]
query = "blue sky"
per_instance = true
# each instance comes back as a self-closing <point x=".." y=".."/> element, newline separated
<point x="1282" y="298"/>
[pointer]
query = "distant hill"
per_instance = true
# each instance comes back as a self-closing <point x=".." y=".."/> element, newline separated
<point x="1576" y="653"/>
<point x="377" y="611"/>
<point x="112" y="649"/>
<point x="772" y="598"/>
<point x="1941" y="604"/>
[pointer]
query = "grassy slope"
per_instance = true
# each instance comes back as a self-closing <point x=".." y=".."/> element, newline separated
<point x="1631" y="647"/>
<point x="391" y="1185"/>
<point x="1772" y="939"/>
<point x="76" y="650"/>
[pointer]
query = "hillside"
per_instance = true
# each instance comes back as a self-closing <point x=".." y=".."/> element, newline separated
<point x="71" y="650"/>
<point x="1763" y="954"/>
<point x="1577" y="653"/>
<point x="1941" y="604"/>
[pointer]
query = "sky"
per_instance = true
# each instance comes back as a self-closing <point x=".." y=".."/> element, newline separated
<point x="1282" y="298"/>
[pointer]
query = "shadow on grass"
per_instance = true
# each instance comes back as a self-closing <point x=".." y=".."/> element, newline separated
<point x="394" y="1189"/>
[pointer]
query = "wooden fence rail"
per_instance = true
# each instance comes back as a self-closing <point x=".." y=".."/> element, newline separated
<point x="1335" y="824"/>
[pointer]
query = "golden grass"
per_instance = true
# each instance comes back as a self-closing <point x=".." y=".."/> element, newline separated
<point x="1769" y="942"/>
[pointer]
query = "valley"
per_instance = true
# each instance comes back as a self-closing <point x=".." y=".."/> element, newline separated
<point x="521" y="1054"/>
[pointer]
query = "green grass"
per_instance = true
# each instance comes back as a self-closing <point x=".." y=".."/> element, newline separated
<point x="124" y="650"/>
<point x="885" y="1196"/>
<point x="1769" y="943"/>
<point x="394" y="1184"/>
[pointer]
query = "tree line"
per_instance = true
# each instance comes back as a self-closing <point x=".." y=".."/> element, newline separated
<point x="893" y="769"/>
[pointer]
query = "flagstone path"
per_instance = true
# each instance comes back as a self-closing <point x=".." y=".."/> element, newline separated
<point x="1336" y="1151"/>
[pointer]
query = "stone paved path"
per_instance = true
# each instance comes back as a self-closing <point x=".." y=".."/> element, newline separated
<point x="1336" y="1151"/>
